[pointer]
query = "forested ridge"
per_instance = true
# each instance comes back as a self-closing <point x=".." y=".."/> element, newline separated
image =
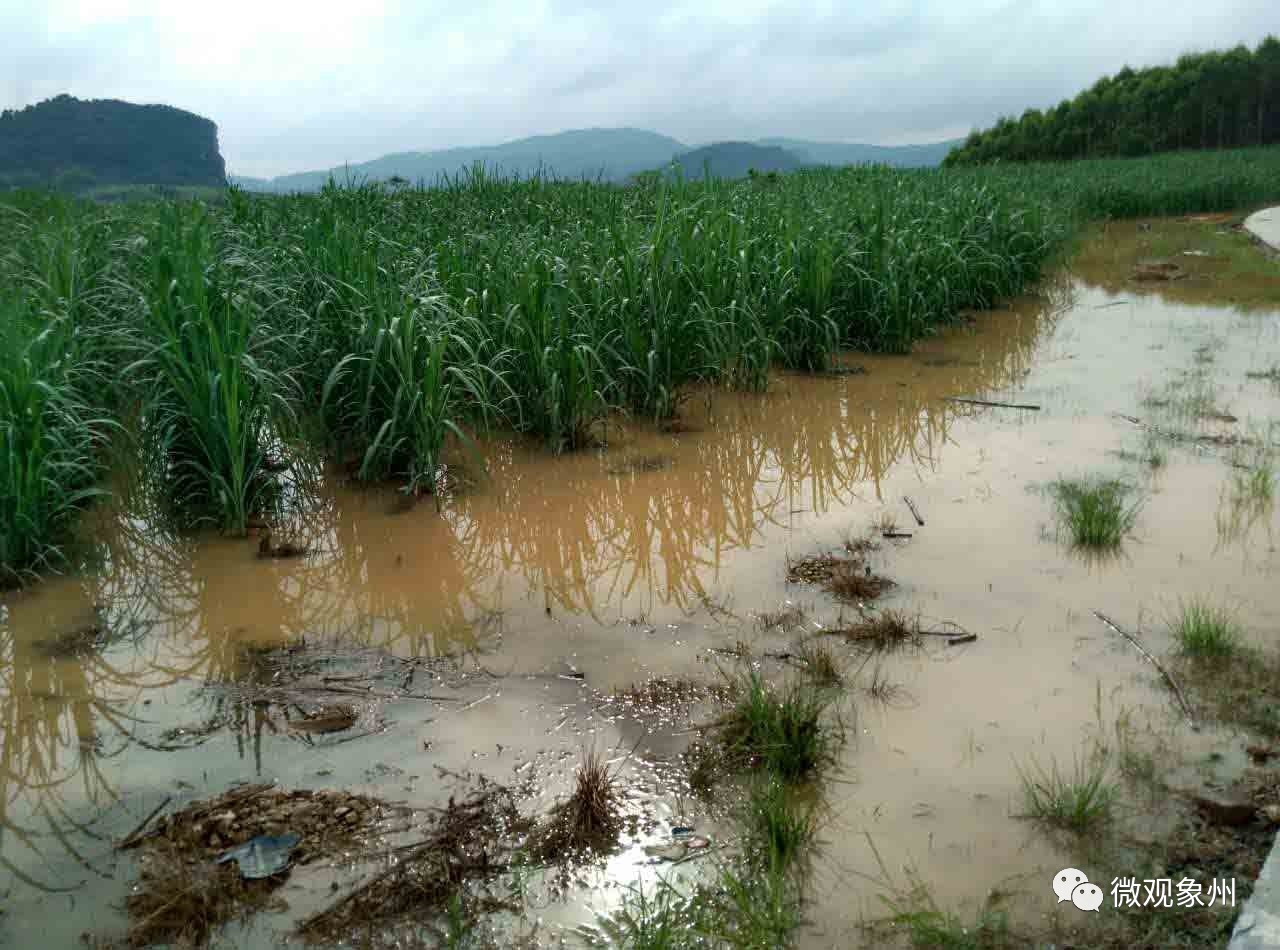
<point x="1222" y="99"/>
<point x="75" y="144"/>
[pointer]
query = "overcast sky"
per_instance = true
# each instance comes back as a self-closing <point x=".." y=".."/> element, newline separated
<point x="296" y="85"/>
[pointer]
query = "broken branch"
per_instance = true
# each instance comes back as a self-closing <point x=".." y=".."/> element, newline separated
<point x="133" y="837"/>
<point x="1173" y="684"/>
<point x="987" y="402"/>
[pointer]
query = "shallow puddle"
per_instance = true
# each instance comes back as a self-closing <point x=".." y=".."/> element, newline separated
<point x="498" y="629"/>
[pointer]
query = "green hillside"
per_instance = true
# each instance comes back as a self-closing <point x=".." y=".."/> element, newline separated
<point x="1206" y="100"/>
<point x="852" y="153"/>
<point x="736" y="160"/>
<point x="78" y="145"/>
<point x="607" y="154"/>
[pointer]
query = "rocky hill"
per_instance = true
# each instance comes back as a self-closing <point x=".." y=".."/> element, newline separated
<point x="78" y="145"/>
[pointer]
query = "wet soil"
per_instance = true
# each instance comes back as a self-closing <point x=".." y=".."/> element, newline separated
<point x="505" y="634"/>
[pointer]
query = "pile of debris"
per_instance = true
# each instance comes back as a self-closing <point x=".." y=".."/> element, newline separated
<point x="221" y="858"/>
<point x="1157" y="270"/>
<point x="463" y="845"/>
<point x="848" y="578"/>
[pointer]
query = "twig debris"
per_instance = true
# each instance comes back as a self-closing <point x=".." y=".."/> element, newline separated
<point x="1173" y="684"/>
<point x="988" y="402"/>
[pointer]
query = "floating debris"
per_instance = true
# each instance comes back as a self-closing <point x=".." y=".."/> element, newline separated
<point x="325" y="720"/>
<point x="670" y="851"/>
<point x="1157" y="270"/>
<point x="847" y="578"/>
<point x="285" y="549"/>
<point x="640" y="464"/>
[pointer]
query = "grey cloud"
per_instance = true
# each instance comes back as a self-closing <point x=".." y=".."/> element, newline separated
<point x="415" y="77"/>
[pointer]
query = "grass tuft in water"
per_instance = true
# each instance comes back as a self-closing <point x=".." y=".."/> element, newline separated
<point x="782" y="731"/>
<point x="929" y="927"/>
<point x="779" y="828"/>
<point x="821" y="665"/>
<point x="1204" y="629"/>
<point x="1080" y="801"/>
<point x="662" y="920"/>
<point x="1095" y="512"/>
<point x="1256" y="485"/>
<point x="915" y="912"/>
<point x="884" y="631"/>
<point x="590" y="818"/>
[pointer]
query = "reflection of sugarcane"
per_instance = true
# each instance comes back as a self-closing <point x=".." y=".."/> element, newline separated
<point x="594" y="539"/>
<point x="597" y="536"/>
<point x="53" y="704"/>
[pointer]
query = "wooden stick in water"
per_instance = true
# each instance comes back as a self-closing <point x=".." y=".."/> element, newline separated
<point x="987" y="402"/>
<point x="1173" y="685"/>
<point x="133" y="837"/>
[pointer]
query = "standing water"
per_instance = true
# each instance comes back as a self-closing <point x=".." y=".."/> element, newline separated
<point x="498" y="631"/>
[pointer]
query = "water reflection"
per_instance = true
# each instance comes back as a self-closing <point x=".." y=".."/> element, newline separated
<point x="575" y="533"/>
<point x="65" y="711"/>
<point x="562" y="534"/>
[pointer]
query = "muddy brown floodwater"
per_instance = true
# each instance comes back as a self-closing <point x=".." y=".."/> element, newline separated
<point x="556" y="581"/>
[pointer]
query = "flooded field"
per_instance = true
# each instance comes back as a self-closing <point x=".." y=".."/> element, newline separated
<point x="498" y="636"/>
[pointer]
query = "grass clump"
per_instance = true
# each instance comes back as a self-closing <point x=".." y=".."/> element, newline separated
<point x="780" y="731"/>
<point x="744" y="910"/>
<point x="1080" y="800"/>
<point x="915" y="912"/>
<point x="784" y="620"/>
<point x="1270" y="375"/>
<point x="1095" y="512"/>
<point x="403" y="389"/>
<point x="759" y="911"/>
<point x="929" y="927"/>
<point x="1240" y="688"/>
<point x="884" y="631"/>
<point x="213" y="402"/>
<point x="821" y="665"/>
<point x="590" y="819"/>
<point x="779" y="829"/>
<point x="51" y="439"/>
<point x="1204" y="629"/>
<point x="662" y="920"/>
<point x="753" y="902"/>
<point x="1256" y="485"/>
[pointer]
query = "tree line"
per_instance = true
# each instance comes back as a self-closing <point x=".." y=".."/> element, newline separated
<point x="1225" y="99"/>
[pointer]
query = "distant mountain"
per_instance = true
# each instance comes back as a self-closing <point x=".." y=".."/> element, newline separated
<point x="736" y="159"/>
<point x="78" y="145"/>
<point x="841" y="153"/>
<point x="611" y="154"/>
